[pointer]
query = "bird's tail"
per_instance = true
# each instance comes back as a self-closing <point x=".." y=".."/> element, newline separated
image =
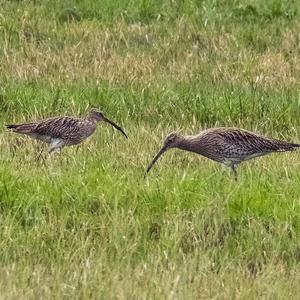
<point x="11" y="126"/>
<point x="21" y="128"/>
<point x="295" y="145"/>
<point x="285" y="146"/>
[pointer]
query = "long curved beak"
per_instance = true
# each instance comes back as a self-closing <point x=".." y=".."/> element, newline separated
<point x="157" y="156"/>
<point x="115" y="125"/>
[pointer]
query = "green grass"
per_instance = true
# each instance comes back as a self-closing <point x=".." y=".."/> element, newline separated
<point x="86" y="225"/>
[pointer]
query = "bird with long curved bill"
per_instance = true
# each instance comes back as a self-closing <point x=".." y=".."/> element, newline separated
<point x="226" y="145"/>
<point x="64" y="131"/>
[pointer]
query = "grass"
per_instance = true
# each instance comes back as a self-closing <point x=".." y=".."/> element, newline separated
<point x="86" y="225"/>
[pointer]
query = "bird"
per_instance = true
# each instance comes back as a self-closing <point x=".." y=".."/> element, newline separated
<point x="227" y="145"/>
<point x="64" y="131"/>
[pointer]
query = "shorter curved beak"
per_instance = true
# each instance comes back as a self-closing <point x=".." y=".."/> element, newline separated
<point x="157" y="156"/>
<point x="115" y="125"/>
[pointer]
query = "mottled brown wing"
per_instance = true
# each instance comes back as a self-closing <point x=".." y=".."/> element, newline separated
<point x="60" y="127"/>
<point x="252" y="143"/>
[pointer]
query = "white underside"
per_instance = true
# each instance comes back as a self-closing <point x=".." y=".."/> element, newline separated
<point x="56" y="144"/>
<point x="234" y="161"/>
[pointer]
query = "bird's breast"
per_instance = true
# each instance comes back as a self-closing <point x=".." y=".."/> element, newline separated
<point x="80" y="134"/>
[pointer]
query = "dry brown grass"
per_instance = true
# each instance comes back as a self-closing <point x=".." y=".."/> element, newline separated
<point x="142" y="54"/>
<point x="273" y="70"/>
<point x="94" y="53"/>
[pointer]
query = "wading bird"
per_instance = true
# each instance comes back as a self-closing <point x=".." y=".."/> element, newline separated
<point x="63" y="131"/>
<point x="226" y="145"/>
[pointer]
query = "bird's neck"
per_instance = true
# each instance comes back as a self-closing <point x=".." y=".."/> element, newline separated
<point x="90" y="118"/>
<point x="91" y="125"/>
<point x="188" y="143"/>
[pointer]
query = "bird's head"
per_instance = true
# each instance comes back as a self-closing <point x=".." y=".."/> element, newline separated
<point x="171" y="141"/>
<point x="98" y="116"/>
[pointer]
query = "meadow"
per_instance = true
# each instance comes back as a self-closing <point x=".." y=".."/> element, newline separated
<point x="85" y="224"/>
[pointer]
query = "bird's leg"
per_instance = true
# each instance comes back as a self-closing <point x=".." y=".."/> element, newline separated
<point x="40" y="154"/>
<point x="52" y="149"/>
<point x="41" y="157"/>
<point x="233" y="168"/>
<point x="60" y="156"/>
<point x="58" y="149"/>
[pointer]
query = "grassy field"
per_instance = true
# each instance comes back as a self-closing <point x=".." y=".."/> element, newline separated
<point x="86" y="225"/>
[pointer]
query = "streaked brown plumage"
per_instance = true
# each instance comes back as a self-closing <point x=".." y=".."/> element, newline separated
<point x="226" y="145"/>
<point x="63" y="131"/>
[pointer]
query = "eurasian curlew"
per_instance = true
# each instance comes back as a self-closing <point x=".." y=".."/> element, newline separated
<point x="226" y="145"/>
<point x="63" y="131"/>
